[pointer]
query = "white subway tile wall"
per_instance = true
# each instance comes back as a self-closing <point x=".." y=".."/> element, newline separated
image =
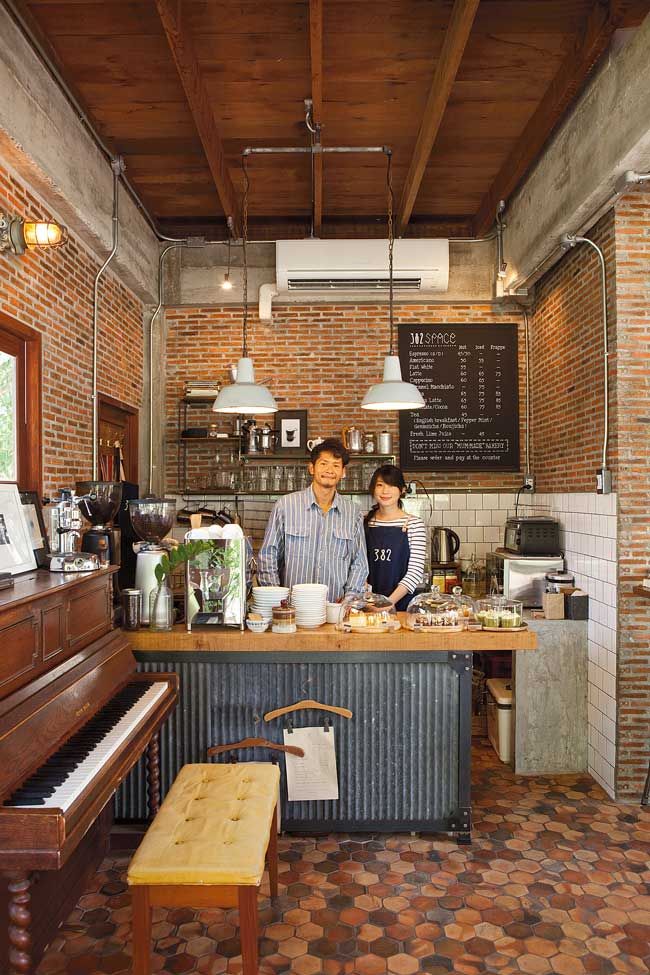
<point x="588" y="535"/>
<point x="588" y="532"/>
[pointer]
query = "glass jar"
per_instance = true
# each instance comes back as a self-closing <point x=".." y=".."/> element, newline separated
<point x="284" y="618"/>
<point x="161" y="607"/>
<point x="499" y="613"/>
<point x="473" y="577"/>
<point x="367" y="612"/>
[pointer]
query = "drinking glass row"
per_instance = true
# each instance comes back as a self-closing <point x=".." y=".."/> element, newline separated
<point x="277" y="478"/>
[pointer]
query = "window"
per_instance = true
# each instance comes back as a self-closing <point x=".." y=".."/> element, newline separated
<point x="20" y="404"/>
<point x="8" y="425"/>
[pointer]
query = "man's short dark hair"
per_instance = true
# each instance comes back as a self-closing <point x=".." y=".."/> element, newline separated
<point x="332" y="445"/>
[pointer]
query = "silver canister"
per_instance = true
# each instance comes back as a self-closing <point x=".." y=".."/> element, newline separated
<point x="384" y="442"/>
<point x="131" y="606"/>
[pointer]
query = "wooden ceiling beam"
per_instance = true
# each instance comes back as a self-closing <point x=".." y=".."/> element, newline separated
<point x="601" y="23"/>
<point x="316" y="58"/>
<point x="456" y="37"/>
<point x="182" y="47"/>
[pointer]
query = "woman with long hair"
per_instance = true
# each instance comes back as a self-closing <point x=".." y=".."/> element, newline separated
<point x="396" y="541"/>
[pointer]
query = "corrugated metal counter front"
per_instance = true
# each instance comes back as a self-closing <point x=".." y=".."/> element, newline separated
<point x="404" y="757"/>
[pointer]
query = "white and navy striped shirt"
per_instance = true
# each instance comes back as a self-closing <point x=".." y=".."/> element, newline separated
<point x="303" y="544"/>
<point x="417" y="536"/>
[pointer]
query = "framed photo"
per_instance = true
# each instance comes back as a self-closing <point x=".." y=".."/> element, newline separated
<point x="36" y="525"/>
<point x="16" y="552"/>
<point x="291" y="429"/>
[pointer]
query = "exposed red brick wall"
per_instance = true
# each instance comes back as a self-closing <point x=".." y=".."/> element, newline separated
<point x="52" y="292"/>
<point x="632" y="222"/>
<point x="567" y="368"/>
<point x="321" y="358"/>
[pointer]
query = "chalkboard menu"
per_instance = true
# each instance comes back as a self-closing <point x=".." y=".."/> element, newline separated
<point x="468" y="376"/>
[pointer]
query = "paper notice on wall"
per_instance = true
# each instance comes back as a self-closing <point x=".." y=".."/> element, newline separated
<point x="314" y="776"/>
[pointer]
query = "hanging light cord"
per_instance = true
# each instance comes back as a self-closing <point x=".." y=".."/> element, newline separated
<point x="229" y="240"/>
<point x="244" y="164"/>
<point x="391" y="241"/>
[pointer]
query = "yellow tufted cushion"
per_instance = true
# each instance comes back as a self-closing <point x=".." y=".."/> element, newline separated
<point x="213" y="827"/>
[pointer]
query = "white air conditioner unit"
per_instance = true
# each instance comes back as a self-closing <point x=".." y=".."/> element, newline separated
<point x="361" y="265"/>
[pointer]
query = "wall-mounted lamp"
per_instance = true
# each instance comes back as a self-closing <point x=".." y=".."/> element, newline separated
<point x="18" y="235"/>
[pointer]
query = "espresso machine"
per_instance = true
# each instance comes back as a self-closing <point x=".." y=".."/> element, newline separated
<point x="65" y="533"/>
<point x="99" y="502"/>
<point x="152" y="520"/>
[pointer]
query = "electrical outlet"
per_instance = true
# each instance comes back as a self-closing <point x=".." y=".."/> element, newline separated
<point x="529" y="482"/>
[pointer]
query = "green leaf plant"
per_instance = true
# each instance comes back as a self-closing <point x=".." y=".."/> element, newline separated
<point x="179" y="555"/>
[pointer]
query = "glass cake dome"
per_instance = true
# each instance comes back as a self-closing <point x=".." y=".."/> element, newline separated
<point x="499" y="613"/>
<point x="435" y="610"/>
<point x="367" y="612"/>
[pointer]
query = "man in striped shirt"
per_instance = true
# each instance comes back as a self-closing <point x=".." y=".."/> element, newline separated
<point x="316" y="535"/>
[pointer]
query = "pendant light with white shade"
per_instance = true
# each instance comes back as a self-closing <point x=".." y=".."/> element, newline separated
<point x="392" y="393"/>
<point x="245" y="395"/>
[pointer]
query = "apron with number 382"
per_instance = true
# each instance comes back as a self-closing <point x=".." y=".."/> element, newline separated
<point x="388" y="559"/>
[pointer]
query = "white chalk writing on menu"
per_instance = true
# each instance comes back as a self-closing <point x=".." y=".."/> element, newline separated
<point x="468" y="376"/>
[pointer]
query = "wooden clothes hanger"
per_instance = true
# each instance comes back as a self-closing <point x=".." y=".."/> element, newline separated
<point x="307" y="706"/>
<point x="256" y="743"/>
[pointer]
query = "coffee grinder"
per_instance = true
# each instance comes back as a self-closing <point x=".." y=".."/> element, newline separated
<point x="99" y="502"/>
<point x="152" y="520"/>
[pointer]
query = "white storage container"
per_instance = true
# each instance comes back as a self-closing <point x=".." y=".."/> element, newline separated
<point x="499" y="716"/>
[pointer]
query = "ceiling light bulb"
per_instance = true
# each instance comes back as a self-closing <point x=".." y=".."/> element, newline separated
<point x="226" y="284"/>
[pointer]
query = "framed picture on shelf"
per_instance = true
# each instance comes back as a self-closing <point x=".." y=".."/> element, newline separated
<point x="16" y="551"/>
<point x="36" y="525"/>
<point x="291" y="431"/>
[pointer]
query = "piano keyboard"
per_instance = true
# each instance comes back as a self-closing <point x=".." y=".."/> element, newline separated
<point x="68" y="773"/>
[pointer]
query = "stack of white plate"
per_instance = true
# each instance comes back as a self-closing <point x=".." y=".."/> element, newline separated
<point x="266" y="597"/>
<point x="309" y="600"/>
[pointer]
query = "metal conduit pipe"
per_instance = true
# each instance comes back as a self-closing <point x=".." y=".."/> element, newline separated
<point x="524" y="312"/>
<point x="117" y="165"/>
<point x="161" y="262"/>
<point x="571" y="240"/>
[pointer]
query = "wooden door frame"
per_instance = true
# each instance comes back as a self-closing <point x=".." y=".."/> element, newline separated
<point x="29" y="387"/>
<point x="131" y="459"/>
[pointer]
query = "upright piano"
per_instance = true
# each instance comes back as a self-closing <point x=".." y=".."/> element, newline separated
<point x="75" y="717"/>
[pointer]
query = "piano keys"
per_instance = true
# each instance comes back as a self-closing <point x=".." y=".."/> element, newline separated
<point x="72" y="725"/>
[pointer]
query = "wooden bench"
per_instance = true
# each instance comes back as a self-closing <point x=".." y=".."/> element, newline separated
<point x="206" y="848"/>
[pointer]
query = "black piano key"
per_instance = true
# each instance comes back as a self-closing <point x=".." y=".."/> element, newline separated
<point x="54" y="772"/>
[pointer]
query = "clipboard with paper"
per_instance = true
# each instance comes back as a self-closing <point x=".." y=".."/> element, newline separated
<point x="314" y="775"/>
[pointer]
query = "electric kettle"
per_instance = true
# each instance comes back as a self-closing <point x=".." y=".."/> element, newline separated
<point x="445" y="544"/>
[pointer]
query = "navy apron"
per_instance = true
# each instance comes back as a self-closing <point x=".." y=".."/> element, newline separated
<point x="388" y="559"/>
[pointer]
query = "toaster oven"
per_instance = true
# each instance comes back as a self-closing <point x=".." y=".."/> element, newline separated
<point x="532" y="536"/>
<point x="517" y="577"/>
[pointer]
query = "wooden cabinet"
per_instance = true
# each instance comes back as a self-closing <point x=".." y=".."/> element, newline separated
<point x="48" y="617"/>
<point x="20" y="640"/>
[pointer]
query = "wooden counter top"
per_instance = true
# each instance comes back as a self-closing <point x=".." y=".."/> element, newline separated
<point x="326" y="639"/>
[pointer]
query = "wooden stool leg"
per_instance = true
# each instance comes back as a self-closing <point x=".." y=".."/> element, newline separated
<point x="272" y="854"/>
<point x="141" y="930"/>
<point x="248" y="929"/>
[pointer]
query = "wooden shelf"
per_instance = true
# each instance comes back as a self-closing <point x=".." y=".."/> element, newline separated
<point x="207" y="439"/>
<point x="641" y="591"/>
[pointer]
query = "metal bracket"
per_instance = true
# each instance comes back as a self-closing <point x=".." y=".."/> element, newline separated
<point x="460" y="820"/>
<point x="460" y="662"/>
<point x="288" y="726"/>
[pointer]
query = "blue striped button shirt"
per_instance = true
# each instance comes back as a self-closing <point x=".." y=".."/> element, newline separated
<point x="303" y="544"/>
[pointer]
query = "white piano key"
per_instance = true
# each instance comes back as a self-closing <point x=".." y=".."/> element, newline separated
<point x="80" y="779"/>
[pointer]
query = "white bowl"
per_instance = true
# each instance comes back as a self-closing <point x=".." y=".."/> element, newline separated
<point x="305" y="587"/>
<point x="257" y="626"/>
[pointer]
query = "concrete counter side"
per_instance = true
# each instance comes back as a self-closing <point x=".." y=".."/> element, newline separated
<point x="327" y="639"/>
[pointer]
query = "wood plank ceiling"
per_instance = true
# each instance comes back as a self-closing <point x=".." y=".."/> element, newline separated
<point x="465" y="93"/>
